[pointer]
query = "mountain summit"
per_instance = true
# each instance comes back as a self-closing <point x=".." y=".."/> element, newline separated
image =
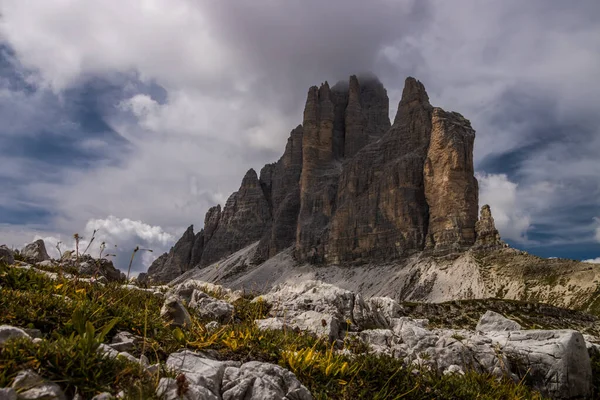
<point x="351" y="187"/>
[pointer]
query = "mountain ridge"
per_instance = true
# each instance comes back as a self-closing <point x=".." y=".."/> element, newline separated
<point x="350" y="187"/>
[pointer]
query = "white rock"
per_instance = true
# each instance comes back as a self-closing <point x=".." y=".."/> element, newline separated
<point x="454" y="369"/>
<point x="8" y="332"/>
<point x="6" y="255"/>
<point x="212" y="326"/>
<point x="209" y="307"/>
<point x="107" y="351"/>
<point x="556" y="361"/>
<point x="125" y="341"/>
<point x="35" y="251"/>
<point x="167" y="390"/>
<point x="493" y="322"/>
<point x="45" y="263"/>
<point x="198" y="370"/>
<point x="31" y="386"/>
<point x="262" y="381"/>
<point x="175" y="312"/>
<point x="210" y="379"/>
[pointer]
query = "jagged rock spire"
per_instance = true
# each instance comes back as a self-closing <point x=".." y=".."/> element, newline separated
<point x="485" y="229"/>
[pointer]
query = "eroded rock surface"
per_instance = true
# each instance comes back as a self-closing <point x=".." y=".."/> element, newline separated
<point x="485" y="229"/>
<point x="555" y="362"/>
<point x="35" y="252"/>
<point x="230" y="380"/>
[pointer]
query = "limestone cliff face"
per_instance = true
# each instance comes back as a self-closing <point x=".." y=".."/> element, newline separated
<point x="353" y="118"/>
<point x="174" y="263"/>
<point x="487" y="235"/>
<point x="281" y="185"/>
<point x="243" y="221"/>
<point x="350" y="187"/>
<point x="381" y="209"/>
<point x="451" y="190"/>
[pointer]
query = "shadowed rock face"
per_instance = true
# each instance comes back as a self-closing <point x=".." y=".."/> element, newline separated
<point x="381" y="209"/>
<point x="351" y="187"/>
<point x="244" y="220"/>
<point x="174" y="263"/>
<point x="485" y="230"/>
<point x="281" y="185"/>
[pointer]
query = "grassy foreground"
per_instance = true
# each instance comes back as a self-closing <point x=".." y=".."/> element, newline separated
<point x="75" y="317"/>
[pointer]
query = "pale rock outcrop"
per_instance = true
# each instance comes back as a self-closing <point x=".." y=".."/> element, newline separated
<point x="493" y="322"/>
<point x="208" y="307"/>
<point x="8" y="332"/>
<point x="230" y="380"/>
<point x="175" y="312"/>
<point x="31" y="386"/>
<point x="125" y="341"/>
<point x="6" y="255"/>
<point x="556" y="362"/>
<point x="311" y="305"/>
<point x="35" y="252"/>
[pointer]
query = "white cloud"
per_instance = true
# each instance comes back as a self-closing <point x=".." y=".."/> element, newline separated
<point x="592" y="260"/>
<point x="503" y="197"/>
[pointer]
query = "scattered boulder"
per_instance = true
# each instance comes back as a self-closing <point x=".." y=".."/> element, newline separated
<point x="174" y="311"/>
<point x="6" y="255"/>
<point x="35" y="252"/>
<point x="31" y="386"/>
<point x="315" y="306"/>
<point x="555" y="362"/>
<point x="8" y="332"/>
<point x="208" y="307"/>
<point x="210" y="379"/>
<point x="493" y="322"/>
<point x="125" y="341"/>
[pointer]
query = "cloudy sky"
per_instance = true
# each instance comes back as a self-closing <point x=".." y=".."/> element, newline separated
<point x="133" y="117"/>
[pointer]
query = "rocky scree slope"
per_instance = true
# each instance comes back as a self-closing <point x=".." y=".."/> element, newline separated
<point x="66" y="337"/>
<point x="351" y="187"/>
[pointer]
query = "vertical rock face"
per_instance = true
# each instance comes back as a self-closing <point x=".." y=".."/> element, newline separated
<point x="366" y="117"/>
<point x="381" y="203"/>
<point x="170" y="265"/>
<point x="320" y="170"/>
<point x="364" y="108"/>
<point x="243" y="221"/>
<point x="451" y="189"/>
<point x="281" y="185"/>
<point x="485" y="230"/>
<point x="351" y="187"/>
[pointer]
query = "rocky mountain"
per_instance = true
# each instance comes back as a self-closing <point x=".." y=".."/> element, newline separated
<point x="351" y="187"/>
